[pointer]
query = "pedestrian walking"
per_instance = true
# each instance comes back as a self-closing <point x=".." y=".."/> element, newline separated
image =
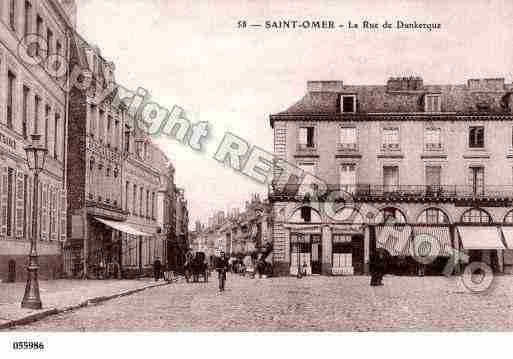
<point x="377" y="268"/>
<point x="157" y="267"/>
<point x="221" y="267"/>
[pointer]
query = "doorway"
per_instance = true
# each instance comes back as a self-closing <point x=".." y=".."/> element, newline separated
<point x="316" y="260"/>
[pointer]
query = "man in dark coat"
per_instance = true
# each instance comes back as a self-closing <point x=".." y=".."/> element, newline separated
<point x="157" y="267"/>
<point x="377" y="268"/>
<point x="222" y="267"/>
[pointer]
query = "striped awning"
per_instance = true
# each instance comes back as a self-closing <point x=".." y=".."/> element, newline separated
<point x="480" y="237"/>
<point x="508" y="236"/>
<point x="431" y="241"/>
<point x="394" y="239"/>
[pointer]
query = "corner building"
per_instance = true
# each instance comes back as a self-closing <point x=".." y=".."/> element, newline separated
<point x="437" y="159"/>
<point x="32" y="102"/>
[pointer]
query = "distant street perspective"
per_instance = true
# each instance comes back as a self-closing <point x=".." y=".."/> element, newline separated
<point x="312" y="303"/>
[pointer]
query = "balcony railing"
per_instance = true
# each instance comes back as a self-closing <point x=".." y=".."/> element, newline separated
<point x="408" y="193"/>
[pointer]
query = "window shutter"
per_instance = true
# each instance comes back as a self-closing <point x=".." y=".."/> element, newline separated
<point x="28" y="234"/>
<point x="44" y="212"/>
<point x="19" y="204"/>
<point x="63" y="208"/>
<point x="4" y="198"/>
<point x="53" y="220"/>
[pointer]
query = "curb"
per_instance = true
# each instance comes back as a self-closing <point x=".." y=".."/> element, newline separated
<point x="92" y="301"/>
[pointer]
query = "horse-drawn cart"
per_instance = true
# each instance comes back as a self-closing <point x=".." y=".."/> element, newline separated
<point x="196" y="266"/>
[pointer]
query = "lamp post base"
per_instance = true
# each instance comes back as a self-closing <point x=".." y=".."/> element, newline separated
<point x="32" y="299"/>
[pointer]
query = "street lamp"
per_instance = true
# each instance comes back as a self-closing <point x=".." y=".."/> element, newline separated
<point x="36" y="155"/>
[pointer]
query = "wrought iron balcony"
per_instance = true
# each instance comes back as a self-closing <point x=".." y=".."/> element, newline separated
<point x="397" y="193"/>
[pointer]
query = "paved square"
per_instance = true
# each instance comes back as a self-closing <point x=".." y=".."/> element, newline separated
<point x="309" y="304"/>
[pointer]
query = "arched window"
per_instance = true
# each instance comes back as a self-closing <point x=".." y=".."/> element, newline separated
<point x="508" y="218"/>
<point x="433" y="216"/>
<point x="305" y="214"/>
<point x="389" y="214"/>
<point x="348" y="215"/>
<point x="476" y="215"/>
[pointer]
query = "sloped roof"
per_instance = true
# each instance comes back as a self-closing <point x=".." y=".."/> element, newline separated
<point x="461" y="99"/>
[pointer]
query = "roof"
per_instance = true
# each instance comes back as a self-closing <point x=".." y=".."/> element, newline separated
<point x="398" y="96"/>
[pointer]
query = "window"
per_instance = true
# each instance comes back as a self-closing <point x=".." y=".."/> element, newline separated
<point x="100" y="125"/>
<point x="24" y="125"/>
<point x="476" y="215"/>
<point x="11" y="79"/>
<point x="37" y="108"/>
<point x="390" y="138"/>
<point x="348" y="138"/>
<point x="476" y="137"/>
<point x="476" y="177"/>
<point x="49" y="42"/>
<point x="306" y="137"/>
<point x="127" y="189"/>
<point x="58" y="48"/>
<point x="10" y="191"/>
<point x="109" y="127"/>
<point x="56" y="142"/>
<point x="27" y="17"/>
<point x="39" y="32"/>
<point x="433" y="139"/>
<point x="433" y="178"/>
<point x="93" y="111"/>
<point x="147" y="203"/>
<point x="348" y="177"/>
<point x="12" y="14"/>
<point x="47" y="122"/>
<point x="141" y="202"/>
<point x="127" y="139"/>
<point x="116" y="134"/>
<point x="348" y="103"/>
<point x="433" y="103"/>
<point x="134" y="199"/>
<point x="25" y="204"/>
<point x="390" y="178"/>
<point x="433" y="216"/>
<point x="153" y="205"/>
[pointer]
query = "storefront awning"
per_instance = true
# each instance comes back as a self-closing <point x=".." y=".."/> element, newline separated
<point x="475" y="237"/>
<point x="432" y="241"/>
<point x="508" y="236"/>
<point x="395" y="239"/>
<point x="122" y="227"/>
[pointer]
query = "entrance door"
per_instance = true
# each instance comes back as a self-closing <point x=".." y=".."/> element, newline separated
<point x="316" y="254"/>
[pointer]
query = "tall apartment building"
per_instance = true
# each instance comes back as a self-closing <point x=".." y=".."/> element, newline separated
<point x="115" y="176"/>
<point x="32" y="101"/>
<point x="436" y="160"/>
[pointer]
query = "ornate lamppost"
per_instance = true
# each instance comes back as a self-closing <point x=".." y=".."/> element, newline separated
<point x="36" y="155"/>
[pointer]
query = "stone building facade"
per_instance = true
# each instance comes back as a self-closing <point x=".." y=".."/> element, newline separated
<point x="116" y="175"/>
<point x="32" y="101"/>
<point x="435" y="160"/>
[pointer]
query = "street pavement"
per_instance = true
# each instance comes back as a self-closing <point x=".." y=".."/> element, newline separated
<point x="314" y="303"/>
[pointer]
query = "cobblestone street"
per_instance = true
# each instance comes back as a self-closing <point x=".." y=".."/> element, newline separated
<point x="309" y="304"/>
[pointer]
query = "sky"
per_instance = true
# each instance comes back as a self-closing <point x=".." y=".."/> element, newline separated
<point x="192" y="54"/>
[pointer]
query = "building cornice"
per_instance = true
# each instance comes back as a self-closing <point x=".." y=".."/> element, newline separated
<point x="415" y="116"/>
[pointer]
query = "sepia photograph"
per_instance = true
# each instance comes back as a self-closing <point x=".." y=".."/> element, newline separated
<point x="178" y="172"/>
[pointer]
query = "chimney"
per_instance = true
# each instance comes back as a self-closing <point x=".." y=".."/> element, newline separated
<point x="405" y="84"/>
<point x="494" y="84"/>
<point x="324" y="86"/>
<point x="70" y="7"/>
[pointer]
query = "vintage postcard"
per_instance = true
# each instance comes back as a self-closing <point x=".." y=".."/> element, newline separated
<point x="253" y="166"/>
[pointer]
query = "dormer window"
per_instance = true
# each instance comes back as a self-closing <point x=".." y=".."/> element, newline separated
<point x="347" y="103"/>
<point x="433" y="103"/>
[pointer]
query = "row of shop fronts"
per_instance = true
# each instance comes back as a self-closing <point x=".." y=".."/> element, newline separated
<point x="337" y="248"/>
<point x="120" y="249"/>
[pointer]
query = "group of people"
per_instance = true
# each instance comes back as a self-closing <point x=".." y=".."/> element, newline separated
<point x="249" y="266"/>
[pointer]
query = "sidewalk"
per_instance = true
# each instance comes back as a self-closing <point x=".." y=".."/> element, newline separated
<point x="62" y="295"/>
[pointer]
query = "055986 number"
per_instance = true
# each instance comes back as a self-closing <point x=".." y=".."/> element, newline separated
<point x="28" y="345"/>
